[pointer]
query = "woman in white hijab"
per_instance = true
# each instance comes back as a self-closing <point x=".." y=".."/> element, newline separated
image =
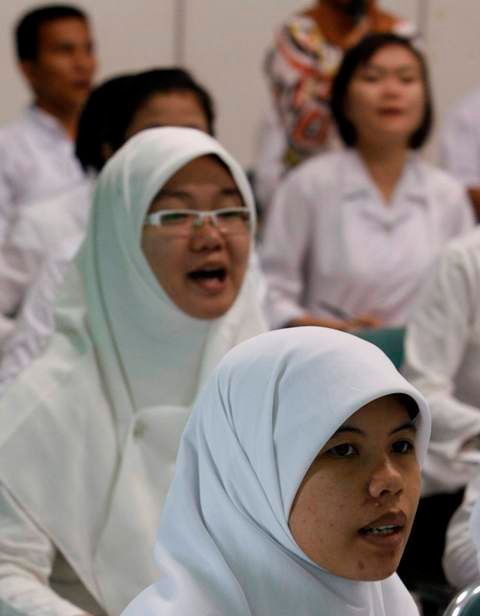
<point x="296" y="485"/>
<point x="89" y="433"/>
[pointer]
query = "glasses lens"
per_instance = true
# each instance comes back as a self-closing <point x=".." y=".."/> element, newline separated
<point x="233" y="220"/>
<point x="177" y="219"/>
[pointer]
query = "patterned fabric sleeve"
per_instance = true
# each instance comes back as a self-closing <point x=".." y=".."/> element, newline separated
<point x="300" y="68"/>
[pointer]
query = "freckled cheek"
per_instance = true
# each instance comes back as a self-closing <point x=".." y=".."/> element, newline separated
<point x="333" y="506"/>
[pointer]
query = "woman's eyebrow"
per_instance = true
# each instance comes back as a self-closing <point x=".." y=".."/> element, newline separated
<point x="347" y="428"/>
<point x="396" y="69"/>
<point x="408" y="425"/>
<point x="172" y="193"/>
<point x="231" y="191"/>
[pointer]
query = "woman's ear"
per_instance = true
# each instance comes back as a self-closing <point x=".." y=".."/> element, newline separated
<point x="107" y="151"/>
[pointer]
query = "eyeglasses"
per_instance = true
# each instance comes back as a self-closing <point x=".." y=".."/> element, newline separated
<point x="229" y="220"/>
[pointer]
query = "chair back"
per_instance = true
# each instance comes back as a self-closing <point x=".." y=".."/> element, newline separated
<point x="389" y="339"/>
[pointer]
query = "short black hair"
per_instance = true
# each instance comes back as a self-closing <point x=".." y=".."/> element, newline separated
<point x="409" y="403"/>
<point x="359" y="55"/>
<point x="110" y="108"/>
<point x="28" y="27"/>
<point x="98" y="119"/>
<point x="160" y="81"/>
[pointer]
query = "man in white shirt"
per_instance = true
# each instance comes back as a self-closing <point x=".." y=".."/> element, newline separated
<point x="37" y="160"/>
<point x="460" y="145"/>
<point x="56" y="56"/>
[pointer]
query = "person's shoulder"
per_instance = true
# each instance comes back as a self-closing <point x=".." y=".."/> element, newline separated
<point x="459" y="264"/>
<point x="302" y="31"/>
<point x="467" y="108"/>
<point x="15" y="128"/>
<point x="15" y="145"/>
<point x="465" y="247"/>
<point x="312" y="181"/>
<point x="319" y="168"/>
<point x="62" y="209"/>
<point x="439" y="180"/>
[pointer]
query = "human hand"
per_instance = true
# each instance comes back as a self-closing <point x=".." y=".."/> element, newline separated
<point x="365" y="321"/>
<point x="311" y="320"/>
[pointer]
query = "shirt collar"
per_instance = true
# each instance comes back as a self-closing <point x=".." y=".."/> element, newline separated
<point x="356" y="181"/>
<point x="47" y="122"/>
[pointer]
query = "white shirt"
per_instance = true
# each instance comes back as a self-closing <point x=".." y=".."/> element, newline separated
<point x="41" y="244"/>
<point x="270" y="148"/>
<point x="331" y="239"/>
<point x="460" y="140"/>
<point x="460" y="559"/>
<point x="442" y="359"/>
<point x="34" y="553"/>
<point x="37" y="161"/>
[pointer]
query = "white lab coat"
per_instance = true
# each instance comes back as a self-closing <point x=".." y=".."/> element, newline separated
<point x="41" y="243"/>
<point x="460" y="140"/>
<point x="330" y="239"/>
<point x="442" y="358"/>
<point x="37" y="162"/>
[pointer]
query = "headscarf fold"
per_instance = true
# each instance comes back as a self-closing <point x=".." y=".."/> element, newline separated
<point x="224" y="544"/>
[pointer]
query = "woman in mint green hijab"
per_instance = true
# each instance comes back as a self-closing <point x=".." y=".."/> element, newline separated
<point x="155" y="299"/>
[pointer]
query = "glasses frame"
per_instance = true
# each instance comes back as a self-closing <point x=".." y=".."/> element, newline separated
<point x="200" y="216"/>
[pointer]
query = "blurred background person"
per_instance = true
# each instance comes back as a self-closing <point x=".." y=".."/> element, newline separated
<point x="462" y="544"/>
<point x="300" y="67"/>
<point x="115" y="111"/>
<point x="56" y="56"/>
<point x="460" y="145"/>
<point x="350" y="234"/>
<point x="442" y="354"/>
<point x="161" y="290"/>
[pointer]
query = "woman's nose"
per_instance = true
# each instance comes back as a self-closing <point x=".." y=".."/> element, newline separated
<point x="392" y="87"/>
<point x="207" y="236"/>
<point x="386" y="479"/>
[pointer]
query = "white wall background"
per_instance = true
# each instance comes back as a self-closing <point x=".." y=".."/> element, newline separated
<point x="223" y="43"/>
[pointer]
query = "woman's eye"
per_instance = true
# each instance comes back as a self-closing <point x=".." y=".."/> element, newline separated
<point x="403" y="447"/>
<point x="370" y="77"/>
<point x="175" y="218"/>
<point x="345" y="450"/>
<point x="408" y="79"/>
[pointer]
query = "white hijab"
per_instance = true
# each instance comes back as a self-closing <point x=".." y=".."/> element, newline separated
<point x="224" y="545"/>
<point x="95" y="423"/>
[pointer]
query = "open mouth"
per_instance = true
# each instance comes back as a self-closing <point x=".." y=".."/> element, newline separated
<point x="388" y="529"/>
<point x="218" y="274"/>
<point x="210" y="280"/>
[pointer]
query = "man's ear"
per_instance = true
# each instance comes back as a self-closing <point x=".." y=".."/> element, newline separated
<point x="27" y="68"/>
